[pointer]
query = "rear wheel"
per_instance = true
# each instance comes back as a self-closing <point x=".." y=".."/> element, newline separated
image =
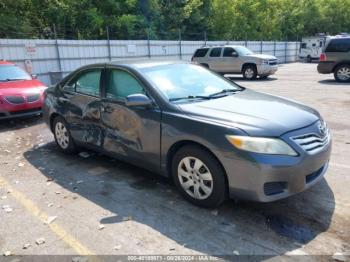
<point x="308" y="59"/>
<point x="342" y="73"/>
<point x="199" y="176"/>
<point x="249" y="72"/>
<point x="62" y="135"/>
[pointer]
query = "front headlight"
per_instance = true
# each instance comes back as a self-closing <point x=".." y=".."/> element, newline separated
<point x="264" y="62"/>
<point x="273" y="146"/>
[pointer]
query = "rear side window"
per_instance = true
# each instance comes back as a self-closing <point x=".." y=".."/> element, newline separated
<point x="201" y="52"/>
<point x="339" y="45"/>
<point x="303" y="45"/>
<point x="215" y="52"/>
<point x="87" y="82"/>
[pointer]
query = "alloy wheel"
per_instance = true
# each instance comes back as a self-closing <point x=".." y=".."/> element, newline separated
<point x="195" y="178"/>
<point x="343" y="73"/>
<point x="249" y="73"/>
<point x="62" y="136"/>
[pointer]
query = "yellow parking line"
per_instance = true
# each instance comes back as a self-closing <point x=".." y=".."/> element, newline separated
<point x="55" y="228"/>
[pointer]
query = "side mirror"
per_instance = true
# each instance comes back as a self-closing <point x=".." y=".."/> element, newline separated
<point x="34" y="76"/>
<point x="138" y="100"/>
<point x="234" y="54"/>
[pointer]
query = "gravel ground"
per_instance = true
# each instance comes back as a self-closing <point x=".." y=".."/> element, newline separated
<point x="56" y="204"/>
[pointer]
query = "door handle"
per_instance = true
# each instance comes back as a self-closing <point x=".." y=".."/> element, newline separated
<point x="63" y="99"/>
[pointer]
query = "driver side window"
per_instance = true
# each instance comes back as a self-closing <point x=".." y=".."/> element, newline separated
<point x="120" y="84"/>
<point x="229" y="52"/>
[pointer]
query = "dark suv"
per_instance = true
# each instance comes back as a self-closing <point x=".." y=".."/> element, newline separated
<point x="336" y="58"/>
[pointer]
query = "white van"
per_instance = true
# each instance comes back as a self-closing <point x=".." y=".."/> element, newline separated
<point x="311" y="47"/>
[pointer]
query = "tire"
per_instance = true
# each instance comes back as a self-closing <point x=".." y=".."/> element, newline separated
<point x="205" y="65"/>
<point x="249" y="72"/>
<point x="308" y="59"/>
<point x="208" y="178"/>
<point x="264" y="77"/>
<point x="342" y="73"/>
<point x="62" y="136"/>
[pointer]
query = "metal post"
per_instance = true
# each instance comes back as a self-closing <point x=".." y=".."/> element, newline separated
<point x="148" y="42"/>
<point x="57" y="49"/>
<point x="274" y="48"/>
<point x="180" y="44"/>
<point x="109" y="44"/>
<point x="205" y="38"/>
<point x="285" y="51"/>
<point x="261" y="46"/>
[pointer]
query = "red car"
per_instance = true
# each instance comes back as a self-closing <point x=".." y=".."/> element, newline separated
<point x="20" y="94"/>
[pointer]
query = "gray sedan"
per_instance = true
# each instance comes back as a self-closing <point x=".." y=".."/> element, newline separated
<point x="214" y="138"/>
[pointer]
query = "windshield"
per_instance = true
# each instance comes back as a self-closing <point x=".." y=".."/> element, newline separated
<point x="12" y="73"/>
<point x="243" y="50"/>
<point x="187" y="81"/>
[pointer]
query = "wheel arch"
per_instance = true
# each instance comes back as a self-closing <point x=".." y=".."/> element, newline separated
<point x="179" y="144"/>
<point x="340" y="64"/>
<point x="248" y="64"/>
<point x="52" y="119"/>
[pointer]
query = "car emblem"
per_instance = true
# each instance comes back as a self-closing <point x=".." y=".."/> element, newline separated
<point x="322" y="128"/>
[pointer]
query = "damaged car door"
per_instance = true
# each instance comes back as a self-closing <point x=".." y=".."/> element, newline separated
<point x="80" y="101"/>
<point x="131" y="119"/>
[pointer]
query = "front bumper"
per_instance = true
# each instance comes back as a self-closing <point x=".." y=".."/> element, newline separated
<point x="266" y="178"/>
<point x="267" y="69"/>
<point x="22" y="113"/>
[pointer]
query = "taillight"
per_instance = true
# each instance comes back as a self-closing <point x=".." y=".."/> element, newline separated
<point x="323" y="57"/>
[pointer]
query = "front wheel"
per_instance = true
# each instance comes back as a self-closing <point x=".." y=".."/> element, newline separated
<point x="249" y="72"/>
<point x="62" y="136"/>
<point x="342" y="73"/>
<point x="199" y="176"/>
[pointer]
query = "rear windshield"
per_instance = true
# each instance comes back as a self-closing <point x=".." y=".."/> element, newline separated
<point x="201" y="52"/>
<point x="12" y="73"/>
<point x="339" y="45"/>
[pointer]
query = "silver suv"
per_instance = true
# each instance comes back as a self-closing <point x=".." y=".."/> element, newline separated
<point x="231" y="59"/>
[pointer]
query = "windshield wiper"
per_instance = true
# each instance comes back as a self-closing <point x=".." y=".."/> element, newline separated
<point x="224" y="92"/>
<point x="189" y="97"/>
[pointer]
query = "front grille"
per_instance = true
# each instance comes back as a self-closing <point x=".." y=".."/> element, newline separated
<point x="15" y="99"/>
<point x="273" y="188"/>
<point x="314" y="175"/>
<point x="33" y="98"/>
<point x="313" y="143"/>
<point x="272" y="62"/>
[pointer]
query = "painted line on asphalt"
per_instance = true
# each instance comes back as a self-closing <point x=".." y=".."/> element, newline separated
<point x="34" y="210"/>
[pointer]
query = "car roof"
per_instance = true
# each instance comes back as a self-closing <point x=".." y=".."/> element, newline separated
<point x="138" y="64"/>
<point x="145" y="63"/>
<point x="4" y="62"/>
<point x="214" y="46"/>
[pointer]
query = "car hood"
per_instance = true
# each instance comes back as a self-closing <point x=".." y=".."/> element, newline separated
<point x="21" y="87"/>
<point x="262" y="56"/>
<point x="258" y="114"/>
